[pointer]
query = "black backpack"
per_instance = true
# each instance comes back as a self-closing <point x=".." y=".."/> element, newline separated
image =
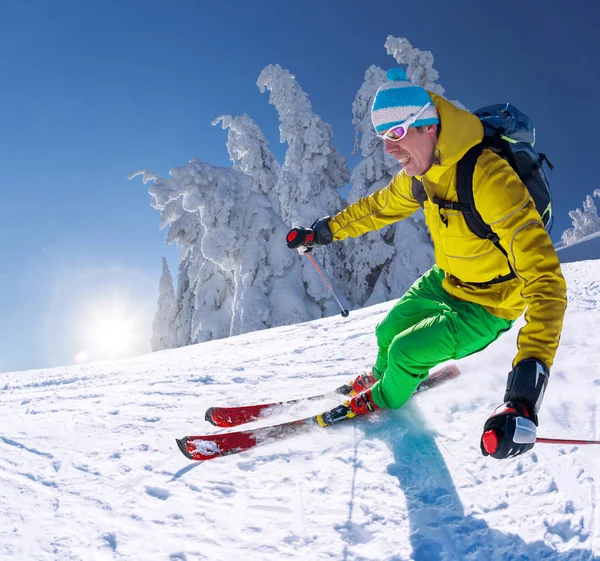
<point x="511" y="134"/>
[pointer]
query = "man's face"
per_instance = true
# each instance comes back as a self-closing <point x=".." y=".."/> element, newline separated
<point x="416" y="151"/>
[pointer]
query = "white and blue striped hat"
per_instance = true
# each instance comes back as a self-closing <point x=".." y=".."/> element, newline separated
<point x="398" y="99"/>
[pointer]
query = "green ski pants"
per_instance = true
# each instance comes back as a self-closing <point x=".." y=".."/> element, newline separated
<point x="426" y="327"/>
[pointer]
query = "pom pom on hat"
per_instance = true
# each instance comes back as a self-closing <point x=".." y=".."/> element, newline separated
<point x="398" y="99"/>
<point x="396" y="74"/>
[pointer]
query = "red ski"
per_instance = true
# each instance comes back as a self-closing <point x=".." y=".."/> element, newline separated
<point x="211" y="446"/>
<point x="207" y="447"/>
<point x="226" y="417"/>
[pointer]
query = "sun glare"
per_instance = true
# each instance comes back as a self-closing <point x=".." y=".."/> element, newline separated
<point x="99" y="313"/>
<point x="110" y="332"/>
<point x="112" y="335"/>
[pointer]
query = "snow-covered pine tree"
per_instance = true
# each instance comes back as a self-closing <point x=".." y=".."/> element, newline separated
<point x="184" y="298"/>
<point x="311" y="175"/>
<point x="204" y="289"/>
<point x="213" y="289"/>
<point x="313" y="170"/>
<point x="585" y="221"/>
<point x="202" y="305"/>
<point x="184" y="230"/>
<point x="242" y="235"/>
<point x="250" y="153"/>
<point x="162" y="325"/>
<point x="419" y="65"/>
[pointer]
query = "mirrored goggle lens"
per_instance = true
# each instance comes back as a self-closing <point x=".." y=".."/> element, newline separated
<point x="396" y="133"/>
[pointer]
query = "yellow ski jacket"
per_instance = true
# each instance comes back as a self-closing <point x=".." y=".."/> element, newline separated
<point x="505" y="204"/>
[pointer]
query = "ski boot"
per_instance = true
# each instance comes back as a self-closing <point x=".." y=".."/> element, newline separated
<point x="362" y="383"/>
<point x="360" y="404"/>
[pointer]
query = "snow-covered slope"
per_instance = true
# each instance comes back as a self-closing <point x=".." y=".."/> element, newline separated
<point x="585" y="249"/>
<point x="89" y="469"/>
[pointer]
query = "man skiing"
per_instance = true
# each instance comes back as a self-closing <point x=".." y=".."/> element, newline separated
<point x="471" y="296"/>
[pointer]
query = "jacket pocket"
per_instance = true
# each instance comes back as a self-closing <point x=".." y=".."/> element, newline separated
<point x="470" y="258"/>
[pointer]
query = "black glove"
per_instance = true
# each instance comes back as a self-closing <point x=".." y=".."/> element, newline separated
<point x="509" y="431"/>
<point x="305" y="238"/>
<point x="527" y="383"/>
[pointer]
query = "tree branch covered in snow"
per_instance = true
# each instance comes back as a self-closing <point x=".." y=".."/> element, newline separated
<point x="585" y="221"/>
<point x="420" y="65"/>
<point x="250" y="153"/>
<point x="197" y="316"/>
<point x="313" y="169"/>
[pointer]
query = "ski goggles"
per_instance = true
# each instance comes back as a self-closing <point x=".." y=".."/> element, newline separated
<point x="399" y="131"/>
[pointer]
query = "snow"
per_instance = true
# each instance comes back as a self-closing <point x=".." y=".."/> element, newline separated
<point x="206" y="448"/>
<point x="89" y="467"/>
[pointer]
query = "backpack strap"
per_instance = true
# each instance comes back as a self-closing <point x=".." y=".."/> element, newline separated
<point x="466" y="204"/>
<point x="464" y="189"/>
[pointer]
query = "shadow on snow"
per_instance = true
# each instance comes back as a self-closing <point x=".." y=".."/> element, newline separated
<point x="439" y="528"/>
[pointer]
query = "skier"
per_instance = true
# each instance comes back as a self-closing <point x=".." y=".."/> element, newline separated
<point x="475" y="291"/>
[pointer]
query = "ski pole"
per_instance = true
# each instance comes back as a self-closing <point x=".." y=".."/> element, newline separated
<point x="565" y="441"/>
<point x="313" y="261"/>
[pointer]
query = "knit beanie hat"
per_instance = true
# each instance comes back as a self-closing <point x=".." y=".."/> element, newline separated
<point x="398" y="99"/>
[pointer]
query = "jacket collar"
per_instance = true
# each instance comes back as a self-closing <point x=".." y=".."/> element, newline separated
<point x="461" y="131"/>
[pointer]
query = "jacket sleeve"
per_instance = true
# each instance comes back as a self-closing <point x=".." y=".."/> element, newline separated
<point x="506" y="205"/>
<point x="385" y="206"/>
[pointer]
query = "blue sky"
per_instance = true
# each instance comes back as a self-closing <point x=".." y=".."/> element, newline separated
<point x="92" y="91"/>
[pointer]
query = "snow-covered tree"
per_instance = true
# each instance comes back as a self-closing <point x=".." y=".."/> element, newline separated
<point x="213" y="300"/>
<point x="184" y="230"/>
<point x="204" y="289"/>
<point x="202" y="304"/>
<point x="184" y="299"/>
<point x="242" y="235"/>
<point x="313" y="170"/>
<point x="420" y="63"/>
<point x="213" y="290"/>
<point x="310" y="177"/>
<point x="420" y="69"/>
<point x="250" y="153"/>
<point x="585" y="221"/>
<point x="163" y="325"/>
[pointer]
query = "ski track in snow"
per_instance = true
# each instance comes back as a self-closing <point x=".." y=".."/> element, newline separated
<point x="89" y="469"/>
